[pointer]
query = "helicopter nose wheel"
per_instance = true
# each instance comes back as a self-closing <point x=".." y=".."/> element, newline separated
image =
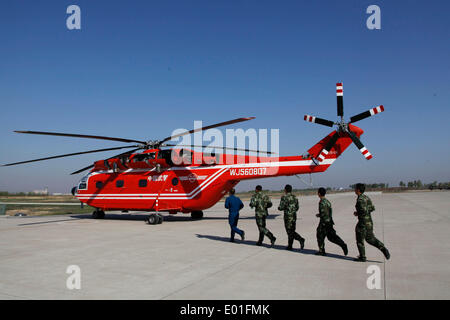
<point x="98" y="214"/>
<point x="155" y="218"/>
<point x="196" y="215"/>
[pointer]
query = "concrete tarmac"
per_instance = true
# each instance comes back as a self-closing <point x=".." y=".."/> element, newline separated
<point x="122" y="257"/>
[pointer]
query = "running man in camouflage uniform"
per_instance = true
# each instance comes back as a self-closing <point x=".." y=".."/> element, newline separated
<point x="325" y="228"/>
<point x="261" y="202"/>
<point x="364" y="228"/>
<point x="289" y="204"/>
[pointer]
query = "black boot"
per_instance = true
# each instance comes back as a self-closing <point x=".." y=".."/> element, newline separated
<point x="345" y="249"/>
<point x="272" y="241"/>
<point x="320" y="253"/>
<point x="290" y="242"/>
<point x="302" y="243"/>
<point x="386" y="253"/>
<point x="260" y="240"/>
<point x="360" y="259"/>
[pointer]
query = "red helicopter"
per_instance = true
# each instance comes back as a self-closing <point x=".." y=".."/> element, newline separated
<point x="171" y="180"/>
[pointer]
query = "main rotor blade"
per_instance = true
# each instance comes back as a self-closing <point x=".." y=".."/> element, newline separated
<point x="116" y="156"/>
<point x="360" y="146"/>
<point x="207" y="127"/>
<point x="81" y="170"/>
<point x="321" y="121"/>
<point x="340" y="99"/>
<point x="328" y="147"/>
<point x="367" y="114"/>
<point x="216" y="147"/>
<point x="66" y="155"/>
<point x="81" y="136"/>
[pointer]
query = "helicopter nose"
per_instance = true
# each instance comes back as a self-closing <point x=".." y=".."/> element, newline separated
<point x="356" y="130"/>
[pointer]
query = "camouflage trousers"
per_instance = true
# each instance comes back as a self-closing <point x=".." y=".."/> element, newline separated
<point x="364" y="231"/>
<point x="326" y="230"/>
<point x="263" y="231"/>
<point x="290" y="226"/>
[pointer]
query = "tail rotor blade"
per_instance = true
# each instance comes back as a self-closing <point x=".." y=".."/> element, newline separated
<point x="360" y="146"/>
<point x="367" y="114"/>
<point x="340" y="99"/>
<point x="324" y="122"/>
<point x="328" y="147"/>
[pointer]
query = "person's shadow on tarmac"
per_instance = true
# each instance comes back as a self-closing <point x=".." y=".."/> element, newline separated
<point x="276" y="247"/>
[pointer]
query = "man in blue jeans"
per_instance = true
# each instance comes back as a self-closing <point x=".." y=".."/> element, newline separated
<point x="234" y="204"/>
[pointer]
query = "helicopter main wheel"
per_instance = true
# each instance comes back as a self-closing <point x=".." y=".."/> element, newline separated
<point x="197" y="215"/>
<point x="154" y="219"/>
<point x="160" y="218"/>
<point x="98" y="214"/>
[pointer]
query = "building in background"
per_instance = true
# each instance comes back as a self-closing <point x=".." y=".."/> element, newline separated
<point x="41" y="192"/>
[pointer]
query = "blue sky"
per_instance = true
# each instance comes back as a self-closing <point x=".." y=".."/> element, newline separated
<point x="140" y="69"/>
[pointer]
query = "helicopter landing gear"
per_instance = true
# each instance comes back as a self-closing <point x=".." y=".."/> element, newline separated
<point x="98" y="214"/>
<point x="196" y="215"/>
<point x="155" y="218"/>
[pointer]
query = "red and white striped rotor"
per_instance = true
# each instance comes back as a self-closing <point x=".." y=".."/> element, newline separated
<point x="310" y="118"/>
<point x="376" y="110"/>
<point x="366" y="153"/>
<point x="339" y="89"/>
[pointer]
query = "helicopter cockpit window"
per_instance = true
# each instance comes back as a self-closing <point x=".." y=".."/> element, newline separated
<point x="83" y="183"/>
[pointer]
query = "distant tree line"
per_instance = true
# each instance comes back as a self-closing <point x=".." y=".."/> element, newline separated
<point x="373" y="186"/>
<point x="417" y="184"/>
<point x="21" y="194"/>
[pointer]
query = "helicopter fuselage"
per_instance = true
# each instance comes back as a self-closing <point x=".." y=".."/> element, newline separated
<point x="153" y="181"/>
